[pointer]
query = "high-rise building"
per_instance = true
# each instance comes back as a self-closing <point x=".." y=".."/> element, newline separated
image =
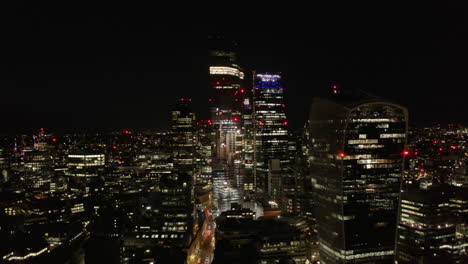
<point x="224" y="193"/>
<point x="246" y="174"/>
<point x="156" y="226"/>
<point x="227" y="99"/>
<point x="270" y="132"/>
<point x="356" y="158"/>
<point x="177" y="190"/>
<point x="177" y="209"/>
<point x="84" y="163"/>
<point x="428" y="224"/>
<point x="183" y="137"/>
<point x="303" y="197"/>
<point x="205" y="148"/>
<point x="85" y="168"/>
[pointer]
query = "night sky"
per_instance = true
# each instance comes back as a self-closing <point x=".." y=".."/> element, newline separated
<point x="75" y="68"/>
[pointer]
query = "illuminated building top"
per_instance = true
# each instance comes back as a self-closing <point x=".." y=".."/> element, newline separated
<point x="222" y="70"/>
<point x="269" y="77"/>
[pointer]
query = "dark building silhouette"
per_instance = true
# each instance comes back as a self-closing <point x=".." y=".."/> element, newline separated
<point x="183" y="139"/>
<point x="356" y="158"/>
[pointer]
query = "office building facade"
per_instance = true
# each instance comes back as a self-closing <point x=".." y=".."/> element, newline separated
<point x="270" y="132"/>
<point x="183" y="138"/>
<point x="428" y="225"/>
<point x="226" y="100"/>
<point x="357" y="147"/>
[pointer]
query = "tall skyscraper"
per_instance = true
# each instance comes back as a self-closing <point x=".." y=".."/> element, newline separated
<point x="183" y="137"/>
<point x="356" y="158"/>
<point x="270" y="132"/>
<point x="226" y="100"/>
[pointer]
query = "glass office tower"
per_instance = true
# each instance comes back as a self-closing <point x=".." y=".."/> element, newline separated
<point x="356" y="157"/>
<point x="183" y="139"/>
<point x="428" y="225"/>
<point x="270" y="131"/>
<point x="226" y="99"/>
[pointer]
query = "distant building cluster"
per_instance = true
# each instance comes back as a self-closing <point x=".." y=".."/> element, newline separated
<point x="356" y="184"/>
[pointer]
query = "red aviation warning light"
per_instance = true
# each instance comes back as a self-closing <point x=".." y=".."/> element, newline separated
<point x="454" y="147"/>
<point x="242" y="91"/>
<point x="335" y="89"/>
<point x="16" y="145"/>
<point x="54" y="139"/>
<point x="342" y="154"/>
<point x="114" y="147"/>
<point x="406" y="153"/>
<point x="285" y="122"/>
<point x="235" y="119"/>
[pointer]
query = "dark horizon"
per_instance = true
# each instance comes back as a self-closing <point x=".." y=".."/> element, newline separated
<point x="127" y="71"/>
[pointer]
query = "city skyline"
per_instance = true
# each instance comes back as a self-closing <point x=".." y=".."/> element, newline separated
<point x="332" y="137"/>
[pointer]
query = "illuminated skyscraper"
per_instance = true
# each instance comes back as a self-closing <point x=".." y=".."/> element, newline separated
<point x="226" y="100"/>
<point x="356" y="158"/>
<point x="183" y="136"/>
<point x="270" y="132"/>
<point x="177" y="192"/>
